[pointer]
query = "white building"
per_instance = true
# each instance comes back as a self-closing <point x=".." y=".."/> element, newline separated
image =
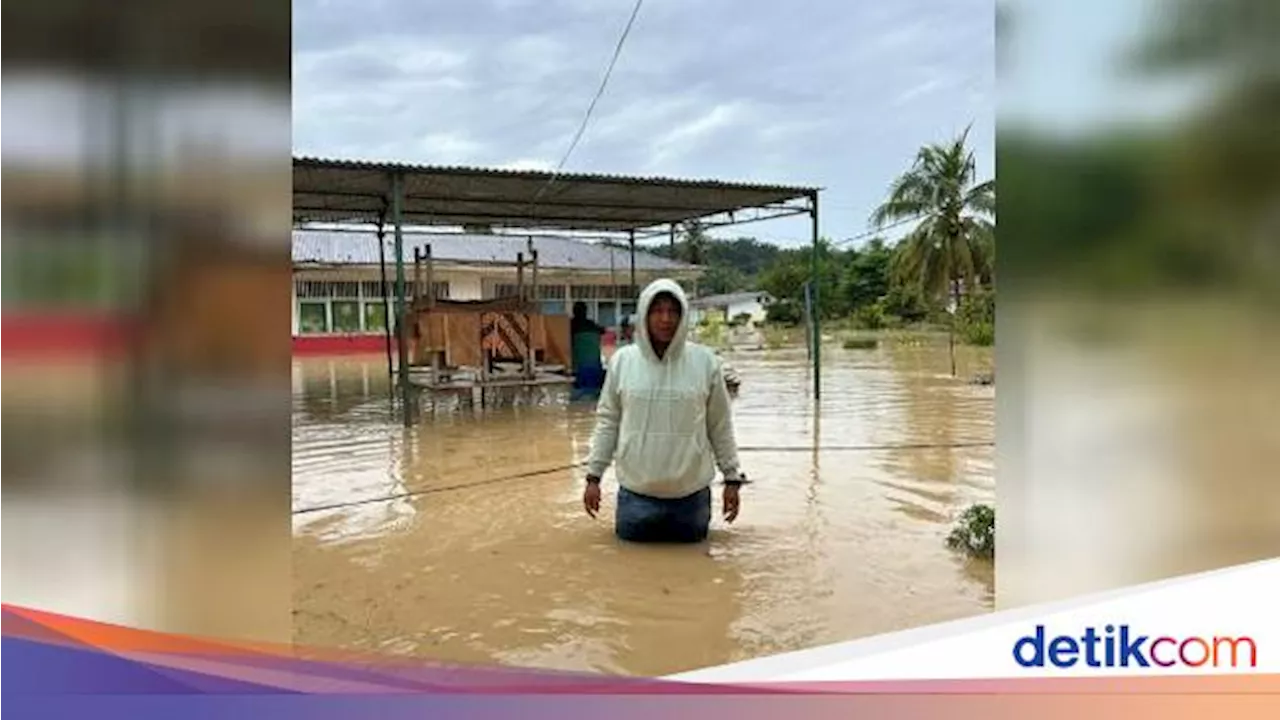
<point x="752" y="303"/>
<point x="337" y="293"/>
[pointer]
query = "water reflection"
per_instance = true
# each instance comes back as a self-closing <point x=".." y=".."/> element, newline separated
<point x="487" y="557"/>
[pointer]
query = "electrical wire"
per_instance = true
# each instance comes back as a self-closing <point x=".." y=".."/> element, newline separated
<point x="548" y="471"/>
<point x="586" y="118"/>
<point x="873" y="233"/>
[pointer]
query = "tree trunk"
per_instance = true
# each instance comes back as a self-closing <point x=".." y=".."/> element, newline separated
<point x="951" y="326"/>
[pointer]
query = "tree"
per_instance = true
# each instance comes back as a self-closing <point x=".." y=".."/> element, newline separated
<point x="695" y="243"/>
<point x="786" y="276"/>
<point x="952" y="245"/>
<point x="719" y="279"/>
<point x="866" y="277"/>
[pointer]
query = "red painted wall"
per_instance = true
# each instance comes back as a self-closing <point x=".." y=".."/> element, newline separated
<point x="355" y="344"/>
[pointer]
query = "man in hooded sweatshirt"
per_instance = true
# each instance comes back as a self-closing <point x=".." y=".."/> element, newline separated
<point x="664" y="416"/>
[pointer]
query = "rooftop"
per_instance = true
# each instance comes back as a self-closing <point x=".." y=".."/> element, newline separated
<point x="346" y="247"/>
<point x="344" y="191"/>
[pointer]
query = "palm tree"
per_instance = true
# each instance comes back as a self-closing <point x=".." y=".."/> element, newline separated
<point x="695" y="243"/>
<point x="953" y="243"/>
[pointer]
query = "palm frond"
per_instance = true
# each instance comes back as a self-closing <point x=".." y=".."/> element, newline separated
<point x="981" y="198"/>
<point x="953" y="239"/>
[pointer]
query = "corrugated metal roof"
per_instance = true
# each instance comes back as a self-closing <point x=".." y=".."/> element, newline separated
<point x="347" y="191"/>
<point x="341" y="247"/>
<point x="543" y="176"/>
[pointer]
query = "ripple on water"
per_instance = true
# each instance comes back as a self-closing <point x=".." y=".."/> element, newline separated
<point x="831" y="545"/>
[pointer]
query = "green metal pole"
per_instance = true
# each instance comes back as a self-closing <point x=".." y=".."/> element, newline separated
<point x="397" y="205"/>
<point x="817" y="313"/>
<point x="635" y="291"/>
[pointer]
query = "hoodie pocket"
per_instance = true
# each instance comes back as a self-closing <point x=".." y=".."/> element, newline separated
<point x="663" y="465"/>
<point x="666" y="451"/>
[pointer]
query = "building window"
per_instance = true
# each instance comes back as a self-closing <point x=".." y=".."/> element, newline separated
<point x="375" y="318"/>
<point x="313" y="317"/>
<point x="346" y="316"/>
<point x="601" y="292"/>
<point x="347" y="306"/>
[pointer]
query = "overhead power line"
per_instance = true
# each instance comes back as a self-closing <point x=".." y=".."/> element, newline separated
<point x="873" y="233"/>
<point x="586" y="118"/>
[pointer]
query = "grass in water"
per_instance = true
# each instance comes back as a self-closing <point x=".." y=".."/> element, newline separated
<point x="861" y="343"/>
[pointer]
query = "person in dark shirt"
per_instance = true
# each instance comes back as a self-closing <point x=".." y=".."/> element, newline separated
<point x="585" y="337"/>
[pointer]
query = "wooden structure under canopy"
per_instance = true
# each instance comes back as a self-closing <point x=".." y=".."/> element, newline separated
<point x="392" y="195"/>
<point x="460" y="346"/>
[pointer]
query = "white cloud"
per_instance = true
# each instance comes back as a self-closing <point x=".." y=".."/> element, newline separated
<point x="686" y="136"/>
<point x="835" y="96"/>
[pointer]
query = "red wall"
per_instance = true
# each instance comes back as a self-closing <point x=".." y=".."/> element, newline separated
<point x="340" y="344"/>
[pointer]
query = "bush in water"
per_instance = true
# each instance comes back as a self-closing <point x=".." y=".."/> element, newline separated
<point x="975" y="534"/>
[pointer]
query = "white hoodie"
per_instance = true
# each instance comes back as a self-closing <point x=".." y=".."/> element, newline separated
<point x="666" y="421"/>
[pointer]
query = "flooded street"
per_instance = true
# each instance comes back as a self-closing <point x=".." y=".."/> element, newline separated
<point x="484" y="554"/>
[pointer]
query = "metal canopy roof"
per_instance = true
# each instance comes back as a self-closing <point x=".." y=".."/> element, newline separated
<point x="340" y="191"/>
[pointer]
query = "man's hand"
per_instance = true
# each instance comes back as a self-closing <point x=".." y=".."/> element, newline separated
<point x="591" y="496"/>
<point x="731" y="503"/>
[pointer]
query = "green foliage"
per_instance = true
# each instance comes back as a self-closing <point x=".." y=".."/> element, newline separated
<point x="860" y="343"/>
<point x="953" y="241"/>
<point x="784" y="312"/>
<point x="907" y="303"/>
<point x="711" y="330"/>
<point x="777" y="336"/>
<point x="785" y="278"/>
<point x="879" y="285"/>
<point x="731" y="265"/>
<point x="975" y="533"/>
<point x="871" y="316"/>
<point x="855" y="283"/>
<point x="982" y="335"/>
<point x="866" y="274"/>
<point x="976" y="318"/>
<point x="718" y="280"/>
<point x="954" y="236"/>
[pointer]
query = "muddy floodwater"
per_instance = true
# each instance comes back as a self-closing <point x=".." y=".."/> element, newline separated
<point x="483" y="554"/>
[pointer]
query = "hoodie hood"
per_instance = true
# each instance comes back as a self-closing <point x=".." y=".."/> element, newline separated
<point x="641" y="331"/>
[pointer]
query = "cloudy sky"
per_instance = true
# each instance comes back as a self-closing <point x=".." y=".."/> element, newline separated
<point x="838" y="94"/>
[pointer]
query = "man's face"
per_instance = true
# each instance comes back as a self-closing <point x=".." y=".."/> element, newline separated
<point x="663" y="319"/>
